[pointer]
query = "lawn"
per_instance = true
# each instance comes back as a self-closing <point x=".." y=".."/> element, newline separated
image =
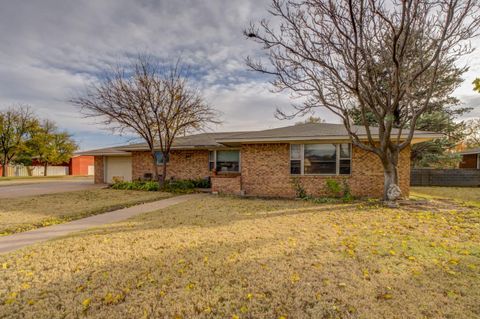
<point x="222" y="257"/>
<point x="25" y="213"/>
<point x="467" y="195"/>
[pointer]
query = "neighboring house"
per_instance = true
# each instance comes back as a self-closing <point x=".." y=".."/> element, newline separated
<point x="470" y="158"/>
<point x="262" y="163"/>
<point x="82" y="165"/>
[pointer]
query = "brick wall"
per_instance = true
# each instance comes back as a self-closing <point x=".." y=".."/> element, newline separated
<point x="183" y="164"/>
<point x="99" y="170"/>
<point x="227" y="184"/>
<point x="266" y="172"/>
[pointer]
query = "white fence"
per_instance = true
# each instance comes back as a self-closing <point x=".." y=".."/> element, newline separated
<point x="20" y="170"/>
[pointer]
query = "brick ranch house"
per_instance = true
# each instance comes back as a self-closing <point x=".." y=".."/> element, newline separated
<point x="262" y="163"/>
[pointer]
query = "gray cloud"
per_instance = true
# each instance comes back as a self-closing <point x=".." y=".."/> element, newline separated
<point x="51" y="49"/>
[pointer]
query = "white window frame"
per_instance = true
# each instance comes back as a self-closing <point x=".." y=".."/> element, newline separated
<point x="337" y="164"/>
<point x="215" y="160"/>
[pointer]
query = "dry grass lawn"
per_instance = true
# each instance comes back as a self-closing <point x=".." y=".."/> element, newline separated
<point x="221" y="257"/>
<point x="25" y="213"/>
<point x="468" y="195"/>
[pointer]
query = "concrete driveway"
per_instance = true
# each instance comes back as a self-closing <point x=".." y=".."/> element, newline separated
<point x="32" y="187"/>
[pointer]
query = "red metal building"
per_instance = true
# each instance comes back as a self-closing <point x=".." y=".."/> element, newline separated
<point x="81" y="165"/>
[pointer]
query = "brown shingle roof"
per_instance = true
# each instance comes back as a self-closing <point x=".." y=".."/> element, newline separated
<point x="104" y="151"/>
<point x="310" y="131"/>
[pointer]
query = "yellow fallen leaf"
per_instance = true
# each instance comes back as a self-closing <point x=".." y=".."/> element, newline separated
<point x="294" y="278"/>
<point x="86" y="303"/>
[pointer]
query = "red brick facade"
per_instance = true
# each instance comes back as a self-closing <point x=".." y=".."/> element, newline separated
<point x="265" y="171"/>
<point x="227" y="184"/>
<point x="183" y="164"/>
<point x="99" y="170"/>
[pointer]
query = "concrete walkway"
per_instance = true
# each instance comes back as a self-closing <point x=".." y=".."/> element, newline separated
<point x="19" y="240"/>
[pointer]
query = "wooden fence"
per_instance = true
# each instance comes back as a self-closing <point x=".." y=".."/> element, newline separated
<point x="20" y="170"/>
<point x="445" y="177"/>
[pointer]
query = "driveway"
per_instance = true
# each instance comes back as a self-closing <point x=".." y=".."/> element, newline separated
<point x="23" y="188"/>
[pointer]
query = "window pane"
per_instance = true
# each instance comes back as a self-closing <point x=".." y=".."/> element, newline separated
<point x="228" y="161"/>
<point x="295" y="152"/>
<point x="320" y="159"/>
<point x="344" y="167"/>
<point x="228" y="156"/>
<point x="159" y="157"/>
<point x="344" y="150"/>
<point x="320" y="168"/>
<point x="295" y="167"/>
<point x="211" y="160"/>
<point x="317" y="152"/>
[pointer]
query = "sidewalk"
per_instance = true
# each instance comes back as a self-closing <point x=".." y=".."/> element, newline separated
<point x="19" y="240"/>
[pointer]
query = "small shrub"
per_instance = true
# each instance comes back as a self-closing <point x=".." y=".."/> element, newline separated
<point x="347" y="195"/>
<point x="172" y="186"/>
<point x="137" y="185"/>
<point x="300" y="191"/>
<point x="201" y="183"/>
<point x="150" y="186"/>
<point x="333" y="187"/>
<point x="179" y="186"/>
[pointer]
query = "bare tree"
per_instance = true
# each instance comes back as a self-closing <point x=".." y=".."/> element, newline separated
<point x="154" y="102"/>
<point x="382" y="58"/>
<point x="16" y="123"/>
<point x="472" y="132"/>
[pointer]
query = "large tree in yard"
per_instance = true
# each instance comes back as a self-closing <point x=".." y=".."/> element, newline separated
<point x="16" y="125"/>
<point x="154" y="102"/>
<point x="380" y="58"/>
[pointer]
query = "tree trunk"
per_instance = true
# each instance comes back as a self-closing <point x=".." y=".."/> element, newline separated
<point x="156" y="176"/>
<point x="164" y="173"/>
<point x="391" y="187"/>
<point x="45" y="167"/>
<point x="4" y="168"/>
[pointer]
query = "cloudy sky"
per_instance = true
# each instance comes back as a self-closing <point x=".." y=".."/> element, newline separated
<point x="50" y="50"/>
